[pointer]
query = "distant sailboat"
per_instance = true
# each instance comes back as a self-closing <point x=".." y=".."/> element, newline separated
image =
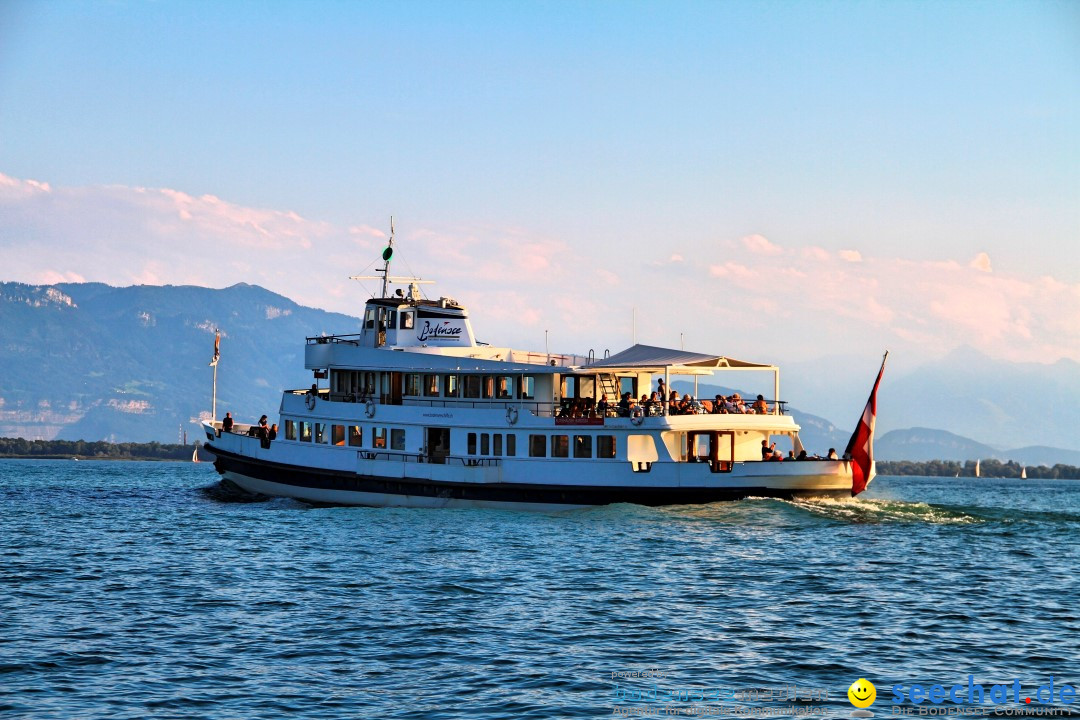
<point x="976" y="468"/>
<point x="195" y="453"/>
<point x="1023" y="473"/>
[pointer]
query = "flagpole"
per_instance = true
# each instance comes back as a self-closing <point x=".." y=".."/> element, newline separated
<point x="213" y="404"/>
<point x="213" y="364"/>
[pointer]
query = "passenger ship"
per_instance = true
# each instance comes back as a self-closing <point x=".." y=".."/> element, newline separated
<point x="417" y="413"/>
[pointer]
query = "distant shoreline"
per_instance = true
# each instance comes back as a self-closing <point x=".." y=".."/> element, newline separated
<point x="989" y="469"/>
<point x="21" y="449"/>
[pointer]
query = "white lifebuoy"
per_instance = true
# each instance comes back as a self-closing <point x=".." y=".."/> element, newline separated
<point x="512" y="415"/>
<point x="310" y="401"/>
<point x="369" y="408"/>
<point x="637" y="416"/>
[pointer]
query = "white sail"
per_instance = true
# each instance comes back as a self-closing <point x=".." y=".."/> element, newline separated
<point x="1023" y="473"/>
<point x="195" y="453"/>
<point x="976" y="468"/>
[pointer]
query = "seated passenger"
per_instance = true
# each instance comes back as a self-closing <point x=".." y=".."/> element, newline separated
<point x="803" y="455"/>
<point x="760" y="406"/>
<point x="718" y="405"/>
<point x="832" y="454"/>
<point x="673" y="403"/>
<point x="624" y="405"/>
<point x="740" y="406"/>
<point x="602" y="406"/>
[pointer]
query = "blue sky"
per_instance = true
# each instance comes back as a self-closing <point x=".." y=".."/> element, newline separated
<point x="774" y="180"/>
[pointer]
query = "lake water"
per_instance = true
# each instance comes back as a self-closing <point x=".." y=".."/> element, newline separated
<point x="135" y="590"/>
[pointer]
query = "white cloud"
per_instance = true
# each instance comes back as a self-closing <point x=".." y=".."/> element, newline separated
<point x="981" y="262"/>
<point x="760" y="245"/>
<point x="752" y="298"/>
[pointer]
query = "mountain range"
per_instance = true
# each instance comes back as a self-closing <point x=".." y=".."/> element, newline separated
<point x="90" y="361"/>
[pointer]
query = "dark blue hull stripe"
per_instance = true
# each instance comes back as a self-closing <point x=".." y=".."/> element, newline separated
<point x="304" y="477"/>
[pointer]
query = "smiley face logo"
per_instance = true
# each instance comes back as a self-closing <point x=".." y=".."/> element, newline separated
<point x="862" y="693"/>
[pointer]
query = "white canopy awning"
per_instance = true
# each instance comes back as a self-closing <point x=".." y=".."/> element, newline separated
<point x="657" y="359"/>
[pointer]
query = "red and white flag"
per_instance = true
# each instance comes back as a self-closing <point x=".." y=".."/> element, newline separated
<point x="860" y="448"/>
<point x="217" y="349"/>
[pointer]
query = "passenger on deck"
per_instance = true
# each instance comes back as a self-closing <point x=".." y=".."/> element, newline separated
<point x="624" y="405"/>
<point x="791" y="455"/>
<point x="803" y="455"/>
<point x="661" y="387"/>
<point x="673" y="403"/>
<point x="760" y="406"/>
<point x="227" y="423"/>
<point x="686" y="405"/>
<point x="766" y="451"/>
<point x="602" y="406"/>
<point x="273" y="432"/>
<point x="737" y="401"/>
<point x="718" y="406"/>
<point x="832" y="454"/>
<point x="653" y="407"/>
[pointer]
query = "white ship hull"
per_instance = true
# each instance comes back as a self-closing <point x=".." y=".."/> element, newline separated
<point x="345" y="477"/>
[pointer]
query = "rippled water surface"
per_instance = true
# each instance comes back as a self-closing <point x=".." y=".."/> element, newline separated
<point x="132" y="590"/>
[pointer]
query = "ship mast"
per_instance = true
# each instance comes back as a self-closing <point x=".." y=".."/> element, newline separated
<point x="383" y="273"/>
<point x="386" y="255"/>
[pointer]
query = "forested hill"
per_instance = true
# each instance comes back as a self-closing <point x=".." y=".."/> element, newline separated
<point x="90" y="361"/>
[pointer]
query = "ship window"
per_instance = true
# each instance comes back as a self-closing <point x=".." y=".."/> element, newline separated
<point x="320" y="432"/>
<point x="397" y="439"/>
<point x="472" y="386"/>
<point x="378" y="438"/>
<point x="431" y="385"/>
<point x="528" y="387"/>
<point x="538" y="446"/>
<point x="583" y="446"/>
<point x="496" y="444"/>
<point x="391" y="318"/>
<point x="560" y="445"/>
<point x="407" y="320"/>
<point x="337" y="435"/>
<point x="305" y="431"/>
<point x="356" y="436"/>
<point x="290" y="429"/>
<point x="369" y="383"/>
<point x="489" y="387"/>
<point x="605" y="446"/>
<point x="369" y="318"/>
<point x="511" y="444"/>
<point x="450" y="386"/>
<point x="504" y="386"/>
<point x="471" y="444"/>
<point x="569" y="387"/>
<point x="485" y="447"/>
<point x="412" y="384"/>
